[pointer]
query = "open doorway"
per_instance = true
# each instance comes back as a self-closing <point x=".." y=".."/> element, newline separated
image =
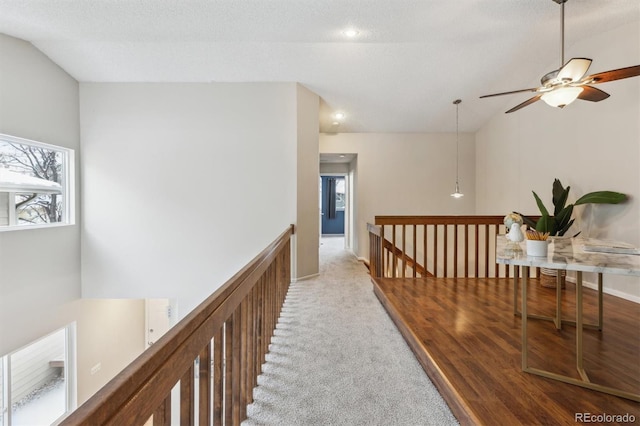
<point x="333" y="203"/>
<point x="336" y="204"/>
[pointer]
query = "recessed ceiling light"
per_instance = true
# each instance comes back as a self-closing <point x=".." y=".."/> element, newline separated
<point x="350" y="32"/>
<point x="339" y="115"/>
<point x="336" y="123"/>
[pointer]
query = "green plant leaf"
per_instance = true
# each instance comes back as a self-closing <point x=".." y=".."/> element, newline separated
<point x="560" y="196"/>
<point x="564" y="216"/>
<point x="601" y="197"/>
<point x="541" y="206"/>
<point x="546" y="223"/>
<point x="563" y="230"/>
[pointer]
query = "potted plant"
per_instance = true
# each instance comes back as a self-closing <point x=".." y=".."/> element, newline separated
<point x="561" y="220"/>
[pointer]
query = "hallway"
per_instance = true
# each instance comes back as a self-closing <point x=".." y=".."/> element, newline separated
<point x="336" y="357"/>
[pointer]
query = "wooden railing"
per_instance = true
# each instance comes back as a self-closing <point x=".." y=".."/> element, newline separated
<point x="440" y="246"/>
<point x="215" y="353"/>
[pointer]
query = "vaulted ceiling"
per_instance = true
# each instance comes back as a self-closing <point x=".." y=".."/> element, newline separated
<point x="400" y="73"/>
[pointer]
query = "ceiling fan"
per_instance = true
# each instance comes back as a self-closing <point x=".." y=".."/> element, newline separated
<point x="568" y="83"/>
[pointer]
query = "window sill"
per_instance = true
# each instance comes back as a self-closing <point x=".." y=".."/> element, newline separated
<point x="29" y="227"/>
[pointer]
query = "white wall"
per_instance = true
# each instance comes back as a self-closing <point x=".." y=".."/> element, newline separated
<point x="109" y="332"/>
<point x="39" y="268"/>
<point x="307" y="232"/>
<point x="405" y="174"/>
<point x="589" y="146"/>
<point x="332" y="168"/>
<point x="183" y="184"/>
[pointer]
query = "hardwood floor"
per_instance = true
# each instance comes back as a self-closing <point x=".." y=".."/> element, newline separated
<point x="467" y="338"/>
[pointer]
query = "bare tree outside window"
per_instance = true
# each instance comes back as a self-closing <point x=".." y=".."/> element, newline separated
<point x="39" y="166"/>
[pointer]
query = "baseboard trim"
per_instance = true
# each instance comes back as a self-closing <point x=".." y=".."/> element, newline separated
<point x="607" y="290"/>
<point x="306" y="277"/>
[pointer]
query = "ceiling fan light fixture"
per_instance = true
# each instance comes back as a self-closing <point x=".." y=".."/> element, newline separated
<point x="568" y="83"/>
<point x="562" y="96"/>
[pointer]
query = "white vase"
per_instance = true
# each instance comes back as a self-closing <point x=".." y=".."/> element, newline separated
<point x="537" y="248"/>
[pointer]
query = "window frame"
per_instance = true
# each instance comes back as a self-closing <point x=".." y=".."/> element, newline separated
<point x="67" y="185"/>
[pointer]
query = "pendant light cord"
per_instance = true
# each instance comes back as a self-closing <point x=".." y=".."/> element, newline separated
<point x="457" y="144"/>
<point x="457" y="103"/>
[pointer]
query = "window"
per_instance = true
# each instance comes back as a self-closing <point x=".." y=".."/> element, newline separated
<point x="38" y="381"/>
<point x="35" y="183"/>
<point x="340" y="194"/>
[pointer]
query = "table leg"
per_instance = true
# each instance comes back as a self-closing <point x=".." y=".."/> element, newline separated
<point x="600" y="308"/>
<point x="516" y="273"/>
<point x="558" y="319"/>
<point x="579" y="358"/>
<point x="525" y="349"/>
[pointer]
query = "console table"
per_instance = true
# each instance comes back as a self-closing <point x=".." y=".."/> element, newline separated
<point x="567" y="254"/>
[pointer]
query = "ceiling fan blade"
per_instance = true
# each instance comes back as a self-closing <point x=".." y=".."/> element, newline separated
<point x="592" y="94"/>
<point x="574" y="70"/>
<point x="525" y="103"/>
<point x="535" y="89"/>
<point x="612" y="75"/>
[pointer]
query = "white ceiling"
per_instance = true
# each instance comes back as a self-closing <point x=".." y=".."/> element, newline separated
<point x="411" y="59"/>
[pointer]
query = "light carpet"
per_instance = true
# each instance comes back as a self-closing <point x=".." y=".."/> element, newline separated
<point x="337" y="358"/>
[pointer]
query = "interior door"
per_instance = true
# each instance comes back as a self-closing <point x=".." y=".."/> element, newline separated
<point x="333" y="205"/>
<point x="158" y="319"/>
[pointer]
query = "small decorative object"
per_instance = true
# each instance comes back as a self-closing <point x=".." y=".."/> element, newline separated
<point x="512" y="218"/>
<point x="537" y="235"/>
<point x="537" y="243"/>
<point x="515" y="233"/>
<point x="515" y="236"/>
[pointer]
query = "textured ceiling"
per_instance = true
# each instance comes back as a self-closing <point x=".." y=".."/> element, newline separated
<point x="402" y="72"/>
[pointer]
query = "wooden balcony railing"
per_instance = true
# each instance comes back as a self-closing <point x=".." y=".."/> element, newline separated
<point x="438" y="246"/>
<point x="216" y="354"/>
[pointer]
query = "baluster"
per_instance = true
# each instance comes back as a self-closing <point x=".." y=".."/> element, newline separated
<point x="415" y="252"/>
<point x="455" y="250"/>
<point x="393" y="251"/>
<point x="243" y="360"/>
<point x="204" y="386"/>
<point x="228" y="374"/>
<point x="250" y="345"/>
<point x="477" y="245"/>
<point x="162" y="414"/>
<point x="218" y="376"/>
<point x="486" y="250"/>
<point x="466" y="250"/>
<point x="424" y="249"/>
<point x="435" y="250"/>
<point x="496" y="270"/>
<point x="235" y="368"/>
<point x="186" y="397"/>
<point x="256" y="336"/>
<point x="446" y="250"/>
<point x="404" y="250"/>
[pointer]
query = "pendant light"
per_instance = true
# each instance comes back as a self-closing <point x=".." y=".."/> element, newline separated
<point x="457" y="193"/>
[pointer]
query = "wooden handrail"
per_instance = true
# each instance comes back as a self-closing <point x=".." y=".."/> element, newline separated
<point x="232" y="328"/>
<point x="458" y="246"/>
